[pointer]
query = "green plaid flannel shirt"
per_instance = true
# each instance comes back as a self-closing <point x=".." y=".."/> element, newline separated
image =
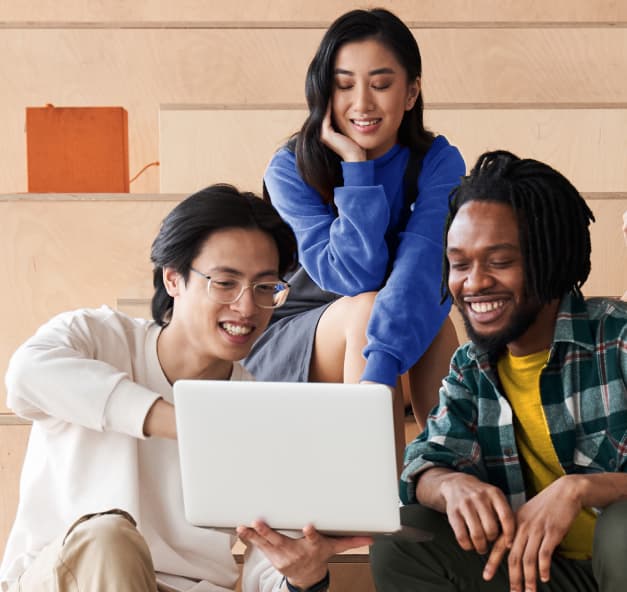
<point x="584" y="395"/>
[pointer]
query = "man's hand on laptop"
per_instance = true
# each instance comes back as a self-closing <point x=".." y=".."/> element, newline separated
<point x="303" y="561"/>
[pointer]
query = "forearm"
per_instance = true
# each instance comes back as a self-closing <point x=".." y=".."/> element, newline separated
<point x="160" y="421"/>
<point x="598" y="490"/>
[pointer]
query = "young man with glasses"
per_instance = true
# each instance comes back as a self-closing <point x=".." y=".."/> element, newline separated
<point x="101" y="465"/>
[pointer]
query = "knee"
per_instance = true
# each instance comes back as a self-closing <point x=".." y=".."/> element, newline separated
<point x="610" y="543"/>
<point x="106" y="539"/>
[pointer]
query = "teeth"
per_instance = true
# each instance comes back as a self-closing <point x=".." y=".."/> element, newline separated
<point x="232" y="329"/>
<point x="486" y="306"/>
<point x="365" y="123"/>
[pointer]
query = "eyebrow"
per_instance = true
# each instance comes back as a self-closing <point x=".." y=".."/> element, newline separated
<point x="490" y="249"/>
<point x="374" y="72"/>
<point x="268" y="272"/>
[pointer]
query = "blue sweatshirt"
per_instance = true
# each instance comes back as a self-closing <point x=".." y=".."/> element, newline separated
<point x="347" y="253"/>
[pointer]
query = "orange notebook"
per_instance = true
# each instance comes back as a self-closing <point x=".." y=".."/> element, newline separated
<point x="77" y="149"/>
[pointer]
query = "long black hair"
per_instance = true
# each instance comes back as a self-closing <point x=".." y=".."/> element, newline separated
<point x="318" y="165"/>
<point x="553" y="220"/>
<point x="185" y="229"/>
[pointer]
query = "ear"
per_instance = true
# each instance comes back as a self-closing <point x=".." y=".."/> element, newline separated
<point x="413" y="94"/>
<point x="173" y="281"/>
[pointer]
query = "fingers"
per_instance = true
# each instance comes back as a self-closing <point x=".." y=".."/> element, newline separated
<point x="523" y="561"/>
<point x="460" y="525"/>
<point x="475" y="527"/>
<point x="544" y="562"/>
<point x="327" y="126"/>
<point x="260" y="534"/>
<point x="500" y="547"/>
<point x="338" y="544"/>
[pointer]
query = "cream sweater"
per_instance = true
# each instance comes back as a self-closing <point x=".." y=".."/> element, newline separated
<point x="87" y="379"/>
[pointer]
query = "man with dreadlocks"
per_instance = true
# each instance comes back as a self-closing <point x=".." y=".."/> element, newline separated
<point x="521" y="472"/>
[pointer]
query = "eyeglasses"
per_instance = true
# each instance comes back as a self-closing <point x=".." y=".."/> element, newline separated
<point x="226" y="290"/>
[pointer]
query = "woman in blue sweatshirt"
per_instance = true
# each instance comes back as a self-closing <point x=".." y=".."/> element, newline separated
<point x="365" y="188"/>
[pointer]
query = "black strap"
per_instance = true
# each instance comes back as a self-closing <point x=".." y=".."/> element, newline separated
<point x="410" y="196"/>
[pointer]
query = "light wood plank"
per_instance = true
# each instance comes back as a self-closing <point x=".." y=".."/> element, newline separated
<point x="13" y="440"/>
<point x="586" y="145"/>
<point x="62" y="255"/>
<point x="199" y="146"/>
<point x="289" y="12"/>
<point x="202" y="146"/>
<point x="141" y="69"/>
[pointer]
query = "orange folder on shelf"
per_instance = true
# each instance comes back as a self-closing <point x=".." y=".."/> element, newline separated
<point x="77" y="149"/>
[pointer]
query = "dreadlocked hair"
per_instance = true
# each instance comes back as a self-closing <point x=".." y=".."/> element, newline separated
<point x="553" y="221"/>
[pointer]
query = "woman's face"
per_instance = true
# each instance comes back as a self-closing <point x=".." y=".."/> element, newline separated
<point x="370" y="95"/>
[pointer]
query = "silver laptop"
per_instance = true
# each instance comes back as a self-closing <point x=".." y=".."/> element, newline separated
<point x="290" y="454"/>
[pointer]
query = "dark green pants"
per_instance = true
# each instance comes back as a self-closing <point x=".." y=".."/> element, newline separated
<point x="441" y="565"/>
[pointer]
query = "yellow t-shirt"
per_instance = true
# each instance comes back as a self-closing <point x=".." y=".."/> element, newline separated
<point x="520" y="377"/>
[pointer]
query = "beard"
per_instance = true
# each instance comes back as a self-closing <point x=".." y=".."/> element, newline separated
<point x="524" y="316"/>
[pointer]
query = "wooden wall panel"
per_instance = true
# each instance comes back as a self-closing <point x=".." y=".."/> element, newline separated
<point x="216" y="12"/>
<point x="13" y="440"/>
<point x="608" y="276"/>
<point x="201" y="146"/>
<point x="140" y="69"/>
<point x="65" y="254"/>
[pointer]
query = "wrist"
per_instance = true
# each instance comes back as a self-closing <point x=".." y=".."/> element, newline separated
<point x="578" y="488"/>
<point x="320" y="586"/>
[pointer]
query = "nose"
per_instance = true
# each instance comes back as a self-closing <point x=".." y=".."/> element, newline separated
<point x="363" y="98"/>
<point x="477" y="279"/>
<point x="245" y="304"/>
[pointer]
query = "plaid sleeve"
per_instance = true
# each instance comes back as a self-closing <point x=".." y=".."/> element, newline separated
<point x="618" y="422"/>
<point x="450" y="436"/>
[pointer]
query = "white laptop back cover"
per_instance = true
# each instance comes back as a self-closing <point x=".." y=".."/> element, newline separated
<point x="288" y="453"/>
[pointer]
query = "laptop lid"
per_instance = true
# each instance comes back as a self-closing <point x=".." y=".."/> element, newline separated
<point x="288" y="453"/>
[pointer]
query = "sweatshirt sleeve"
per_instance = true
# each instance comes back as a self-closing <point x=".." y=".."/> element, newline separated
<point x="76" y="369"/>
<point x="345" y="253"/>
<point x="258" y="574"/>
<point x="407" y="313"/>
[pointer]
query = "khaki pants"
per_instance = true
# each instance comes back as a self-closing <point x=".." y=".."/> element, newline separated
<point x="99" y="553"/>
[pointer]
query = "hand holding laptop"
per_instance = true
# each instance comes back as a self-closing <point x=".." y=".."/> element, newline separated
<point x="303" y="561"/>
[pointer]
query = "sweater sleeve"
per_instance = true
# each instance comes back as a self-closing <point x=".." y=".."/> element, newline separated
<point x="258" y="574"/>
<point x="407" y="314"/>
<point x="344" y="253"/>
<point x="76" y="369"/>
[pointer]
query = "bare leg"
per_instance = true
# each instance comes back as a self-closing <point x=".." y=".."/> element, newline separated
<point x="337" y="355"/>
<point x="425" y="376"/>
<point x="340" y="340"/>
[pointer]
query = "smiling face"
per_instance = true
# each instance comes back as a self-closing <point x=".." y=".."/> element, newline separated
<point x="204" y="337"/>
<point x="486" y="280"/>
<point x="370" y="95"/>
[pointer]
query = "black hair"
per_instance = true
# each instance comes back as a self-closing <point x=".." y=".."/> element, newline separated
<point x="318" y="165"/>
<point x="185" y="229"/>
<point x="553" y="221"/>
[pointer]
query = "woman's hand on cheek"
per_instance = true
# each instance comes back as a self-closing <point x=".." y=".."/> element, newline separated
<point x="303" y="561"/>
<point x="347" y="149"/>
